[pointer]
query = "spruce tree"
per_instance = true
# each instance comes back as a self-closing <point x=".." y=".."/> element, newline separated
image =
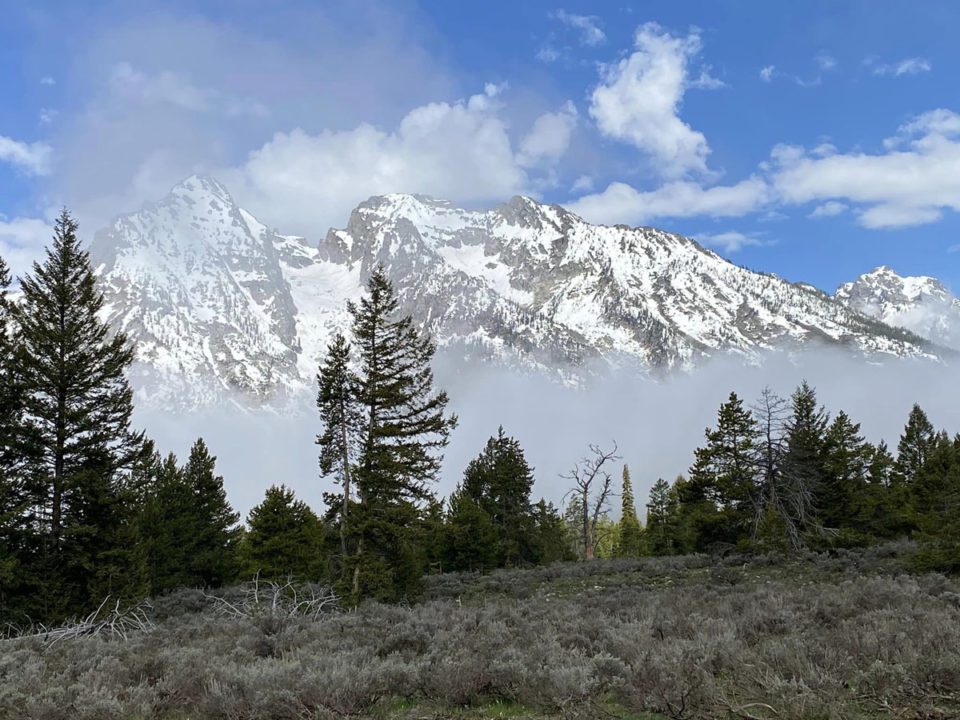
<point x="499" y="481"/>
<point x="803" y="471"/>
<point x="284" y="538"/>
<point x="342" y="420"/>
<point x="15" y="526"/>
<point x="405" y="430"/>
<point x="471" y="537"/>
<point x="76" y="429"/>
<point x="631" y="540"/>
<point x="720" y="496"/>
<point x="552" y="535"/>
<point x="662" y="507"/>
<point x="166" y="525"/>
<point x="914" y="446"/>
<point x="846" y="467"/>
<point x="215" y="532"/>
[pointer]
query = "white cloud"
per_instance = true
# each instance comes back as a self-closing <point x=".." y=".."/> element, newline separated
<point x="549" y="137"/>
<point x="705" y="81"/>
<point x="828" y="209"/>
<point x="825" y="62"/>
<point x="912" y="183"/>
<point x="620" y="203"/>
<point x="639" y="97"/>
<point x="548" y="54"/>
<point x="458" y="151"/>
<point x="729" y="242"/>
<point x="953" y="249"/>
<point x="168" y="87"/>
<point x="590" y="32"/>
<point x="907" y="66"/>
<point x="33" y="158"/>
<point x="22" y="241"/>
<point x="766" y="73"/>
<point x="47" y="116"/>
<point x="47" y="80"/>
<point x="584" y="183"/>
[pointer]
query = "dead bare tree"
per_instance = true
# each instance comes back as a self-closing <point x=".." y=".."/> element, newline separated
<point x="592" y="487"/>
<point x="279" y="601"/>
<point x="108" y="621"/>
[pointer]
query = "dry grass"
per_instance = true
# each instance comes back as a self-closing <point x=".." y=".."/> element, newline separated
<point x="851" y="636"/>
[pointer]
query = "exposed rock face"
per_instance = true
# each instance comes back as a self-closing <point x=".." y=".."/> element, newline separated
<point x="220" y="306"/>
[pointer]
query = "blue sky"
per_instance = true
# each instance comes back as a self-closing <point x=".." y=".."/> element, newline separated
<point x="815" y="140"/>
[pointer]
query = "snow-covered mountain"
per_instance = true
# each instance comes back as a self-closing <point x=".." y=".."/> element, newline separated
<point x="219" y="305"/>
<point x="920" y="304"/>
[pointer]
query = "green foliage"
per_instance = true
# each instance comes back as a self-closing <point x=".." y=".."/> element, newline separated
<point x="499" y="482"/>
<point x="284" y="538"/>
<point x="188" y="529"/>
<point x="718" y="498"/>
<point x="71" y="434"/>
<point x="404" y="430"/>
<point x="631" y="541"/>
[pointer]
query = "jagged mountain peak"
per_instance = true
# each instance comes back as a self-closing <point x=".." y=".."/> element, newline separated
<point x="219" y="305"/>
<point x="918" y="303"/>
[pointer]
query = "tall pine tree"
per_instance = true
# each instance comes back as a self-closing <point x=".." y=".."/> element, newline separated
<point x="342" y="420"/>
<point x="404" y="433"/>
<point x="631" y="540"/>
<point x="499" y="481"/>
<point x="76" y="432"/>
<point x="720" y="497"/>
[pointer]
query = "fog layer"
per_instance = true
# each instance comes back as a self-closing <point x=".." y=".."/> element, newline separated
<point x="656" y="424"/>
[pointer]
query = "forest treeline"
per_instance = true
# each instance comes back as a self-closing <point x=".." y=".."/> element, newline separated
<point x="89" y="509"/>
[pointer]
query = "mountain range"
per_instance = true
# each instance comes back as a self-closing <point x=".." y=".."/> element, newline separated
<point x="222" y="308"/>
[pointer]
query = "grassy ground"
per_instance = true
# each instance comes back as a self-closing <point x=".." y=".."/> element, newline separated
<point x="845" y="636"/>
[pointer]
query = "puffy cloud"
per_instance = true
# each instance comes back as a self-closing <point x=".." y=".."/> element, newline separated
<point x="458" y="151"/>
<point x="590" y="32"/>
<point x="22" y="241"/>
<point x="729" y="242"/>
<point x="549" y="137"/>
<point x="766" y="73"/>
<point x="907" y="66"/>
<point x="33" y="158"/>
<point x="910" y="184"/>
<point x="638" y="101"/>
<point x="620" y="203"/>
<point x="828" y="209"/>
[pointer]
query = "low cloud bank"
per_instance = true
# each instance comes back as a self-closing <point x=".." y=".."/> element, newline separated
<point x="656" y="424"/>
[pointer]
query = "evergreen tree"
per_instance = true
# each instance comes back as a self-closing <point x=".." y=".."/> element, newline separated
<point x="803" y="469"/>
<point x="342" y="420"/>
<point x="720" y="497"/>
<point x="166" y="527"/>
<point x="631" y="539"/>
<point x="662" y="509"/>
<point x="215" y="537"/>
<point x="552" y="536"/>
<point x="76" y="429"/>
<point x="405" y="430"/>
<point x="499" y="481"/>
<point x="846" y="468"/>
<point x="15" y="527"/>
<point x="471" y="537"/>
<point x="914" y="447"/>
<point x="285" y="538"/>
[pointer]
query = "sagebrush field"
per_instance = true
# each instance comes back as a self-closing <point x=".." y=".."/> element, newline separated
<point x="851" y="635"/>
